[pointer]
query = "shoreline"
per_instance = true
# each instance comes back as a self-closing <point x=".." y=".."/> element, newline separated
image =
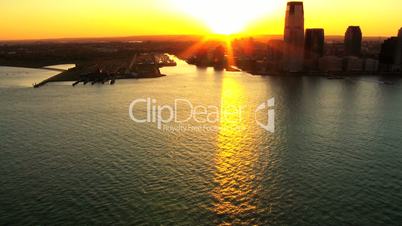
<point x="78" y="75"/>
<point x="59" y="77"/>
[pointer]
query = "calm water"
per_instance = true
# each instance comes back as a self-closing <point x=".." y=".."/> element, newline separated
<point x="73" y="156"/>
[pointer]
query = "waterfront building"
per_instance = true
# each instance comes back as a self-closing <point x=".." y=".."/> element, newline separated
<point x="275" y="55"/>
<point x="352" y="64"/>
<point x="334" y="48"/>
<point x="398" y="54"/>
<point x="330" y="64"/>
<point x="353" y="41"/>
<point x="218" y="57"/>
<point x="388" y="54"/>
<point x="313" y="47"/>
<point x="294" y="37"/>
<point x="202" y="57"/>
<point x="371" y="65"/>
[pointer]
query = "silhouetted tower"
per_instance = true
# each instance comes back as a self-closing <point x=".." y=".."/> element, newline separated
<point x="202" y="57"/>
<point x="398" y="57"/>
<point x="294" y="37"/>
<point x="313" y="47"/>
<point x="353" y="41"/>
<point x="218" y="57"/>
<point x="275" y="55"/>
<point x="387" y="54"/>
<point x="314" y="43"/>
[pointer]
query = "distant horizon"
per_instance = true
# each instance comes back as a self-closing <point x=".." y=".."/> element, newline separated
<point x="173" y="35"/>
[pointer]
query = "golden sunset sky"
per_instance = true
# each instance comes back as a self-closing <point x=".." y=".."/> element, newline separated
<point x="33" y="19"/>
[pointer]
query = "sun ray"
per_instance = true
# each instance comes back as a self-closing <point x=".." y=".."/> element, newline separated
<point x="194" y="48"/>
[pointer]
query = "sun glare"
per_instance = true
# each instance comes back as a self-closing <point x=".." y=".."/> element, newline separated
<point x="226" y="16"/>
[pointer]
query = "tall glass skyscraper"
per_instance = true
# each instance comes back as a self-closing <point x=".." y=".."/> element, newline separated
<point x="398" y="56"/>
<point x="313" y="47"/>
<point x="294" y="37"/>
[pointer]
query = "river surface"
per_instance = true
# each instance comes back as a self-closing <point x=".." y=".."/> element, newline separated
<point x="72" y="155"/>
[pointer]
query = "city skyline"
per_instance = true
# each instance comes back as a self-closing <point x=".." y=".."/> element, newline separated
<point x="200" y="112"/>
<point x="74" y="19"/>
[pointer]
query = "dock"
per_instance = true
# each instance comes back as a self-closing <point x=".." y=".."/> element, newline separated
<point x="141" y="65"/>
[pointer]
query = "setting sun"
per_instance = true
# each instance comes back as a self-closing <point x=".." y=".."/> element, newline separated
<point x="226" y="16"/>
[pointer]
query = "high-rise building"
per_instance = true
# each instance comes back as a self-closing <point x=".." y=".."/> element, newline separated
<point x="398" y="56"/>
<point x="275" y="55"/>
<point x="313" y="48"/>
<point x="218" y="57"/>
<point x="353" y="41"/>
<point x="294" y="37"/>
<point x="387" y="54"/>
<point x="314" y="43"/>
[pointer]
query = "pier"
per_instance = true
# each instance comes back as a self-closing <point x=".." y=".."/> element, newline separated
<point x="141" y="65"/>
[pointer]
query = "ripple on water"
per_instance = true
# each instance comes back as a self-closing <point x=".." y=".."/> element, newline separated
<point x="72" y="155"/>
